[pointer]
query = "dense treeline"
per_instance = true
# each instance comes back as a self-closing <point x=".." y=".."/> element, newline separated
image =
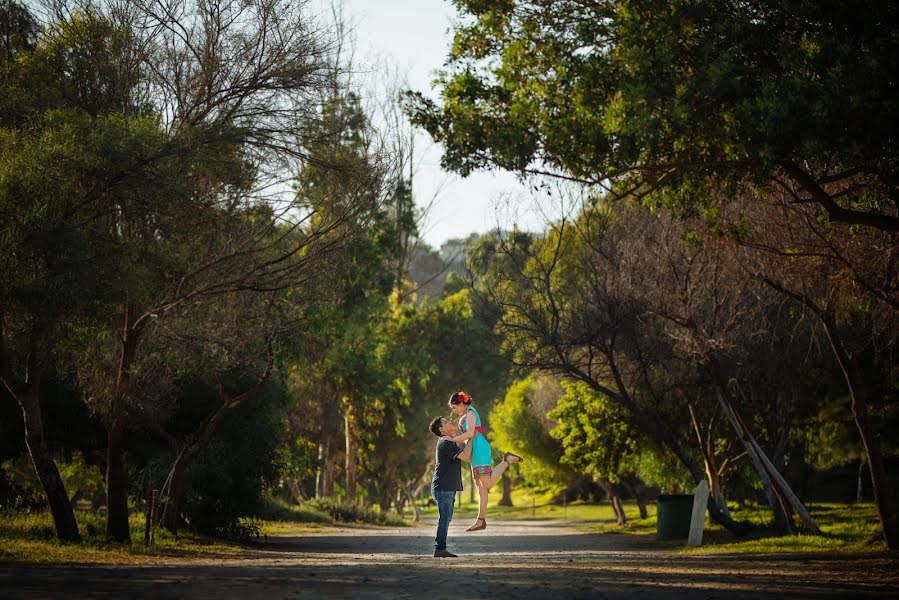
<point x="204" y="239"/>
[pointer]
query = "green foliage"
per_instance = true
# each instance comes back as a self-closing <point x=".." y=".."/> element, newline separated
<point x="516" y="426"/>
<point x="661" y="469"/>
<point x="19" y="485"/>
<point x="22" y="488"/>
<point x="596" y="434"/>
<point x="693" y="96"/>
<point x="351" y="512"/>
<point x="230" y="476"/>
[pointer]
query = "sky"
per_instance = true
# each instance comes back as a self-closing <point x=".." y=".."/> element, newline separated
<point x="413" y="36"/>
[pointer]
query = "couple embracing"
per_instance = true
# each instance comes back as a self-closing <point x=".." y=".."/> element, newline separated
<point x="456" y="444"/>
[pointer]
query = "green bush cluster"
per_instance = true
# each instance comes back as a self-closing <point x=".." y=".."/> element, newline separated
<point x="352" y="512"/>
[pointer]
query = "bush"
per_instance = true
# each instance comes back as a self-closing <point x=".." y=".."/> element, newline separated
<point x="276" y="509"/>
<point x="352" y="512"/>
<point x="229" y="478"/>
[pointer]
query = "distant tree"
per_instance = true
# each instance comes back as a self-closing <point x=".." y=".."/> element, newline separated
<point x="597" y="437"/>
<point x="518" y="422"/>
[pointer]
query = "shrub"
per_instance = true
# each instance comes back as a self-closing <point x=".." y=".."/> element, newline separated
<point x="352" y="512"/>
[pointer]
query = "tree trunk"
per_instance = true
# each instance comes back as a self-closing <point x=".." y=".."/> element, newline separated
<point x="784" y="488"/>
<point x="782" y="522"/>
<point x="45" y="467"/>
<point x="324" y="477"/>
<point x="860" y="484"/>
<point x="614" y="500"/>
<point x="632" y="484"/>
<point x="296" y="492"/>
<point x="622" y="519"/>
<point x="388" y="490"/>
<point x="330" y="423"/>
<point x="778" y="493"/>
<point x="329" y="477"/>
<point x="424" y="480"/>
<point x="176" y="489"/>
<point x="117" y="527"/>
<point x="413" y="503"/>
<point x="350" y="457"/>
<point x="886" y="508"/>
<point x="716" y="496"/>
<point x="506" y="499"/>
<point x="399" y="499"/>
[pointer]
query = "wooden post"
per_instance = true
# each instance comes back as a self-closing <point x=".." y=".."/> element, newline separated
<point x="697" y="520"/>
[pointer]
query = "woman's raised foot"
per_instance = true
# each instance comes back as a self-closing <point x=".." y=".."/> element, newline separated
<point x="511" y="458"/>
<point x="478" y="525"/>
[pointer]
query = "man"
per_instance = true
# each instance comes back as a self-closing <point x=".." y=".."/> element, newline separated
<point x="446" y="481"/>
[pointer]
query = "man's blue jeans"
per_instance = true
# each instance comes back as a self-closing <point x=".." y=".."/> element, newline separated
<point x="446" y="501"/>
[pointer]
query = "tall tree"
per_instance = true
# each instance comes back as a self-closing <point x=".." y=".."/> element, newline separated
<point x="657" y="96"/>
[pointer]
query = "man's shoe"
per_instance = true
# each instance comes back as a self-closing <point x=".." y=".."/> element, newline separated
<point x="444" y="554"/>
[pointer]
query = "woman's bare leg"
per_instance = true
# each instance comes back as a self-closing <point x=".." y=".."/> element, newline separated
<point x="498" y="471"/>
<point x="483" y="492"/>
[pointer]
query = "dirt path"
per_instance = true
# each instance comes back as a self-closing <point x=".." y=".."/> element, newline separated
<point x="507" y="561"/>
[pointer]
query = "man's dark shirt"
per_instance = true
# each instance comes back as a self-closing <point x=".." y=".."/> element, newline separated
<point x="448" y="469"/>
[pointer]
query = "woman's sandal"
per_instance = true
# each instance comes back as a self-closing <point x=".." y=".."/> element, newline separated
<point x="475" y="527"/>
<point x="508" y="454"/>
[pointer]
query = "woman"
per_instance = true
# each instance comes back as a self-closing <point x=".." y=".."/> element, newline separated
<point x="484" y="475"/>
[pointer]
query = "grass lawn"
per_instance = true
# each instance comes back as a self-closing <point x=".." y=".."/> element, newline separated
<point x="31" y="537"/>
<point x="848" y="529"/>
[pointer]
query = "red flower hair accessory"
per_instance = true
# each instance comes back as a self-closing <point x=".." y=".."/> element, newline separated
<point x="464" y="398"/>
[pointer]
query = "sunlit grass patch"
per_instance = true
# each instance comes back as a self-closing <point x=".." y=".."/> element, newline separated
<point x="31" y="537"/>
<point x="847" y="529"/>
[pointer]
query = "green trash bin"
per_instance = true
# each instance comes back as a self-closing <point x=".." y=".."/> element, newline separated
<point x="673" y="514"/>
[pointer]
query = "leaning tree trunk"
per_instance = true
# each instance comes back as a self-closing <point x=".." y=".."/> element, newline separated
<point x="45" y="467"/>
<point x="782" y="521"/>
<point x="203" y="435"/>
<point x="886" y="508"/>
<point x="778" y="492"/>
<point x="614" y="500"/>
<point x="716" y="495"/>
<point x="423" y="481"/>
<point x="176" y="489"/>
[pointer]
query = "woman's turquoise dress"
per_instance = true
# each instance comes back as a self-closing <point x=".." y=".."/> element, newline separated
<point x="480" y="447"/>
